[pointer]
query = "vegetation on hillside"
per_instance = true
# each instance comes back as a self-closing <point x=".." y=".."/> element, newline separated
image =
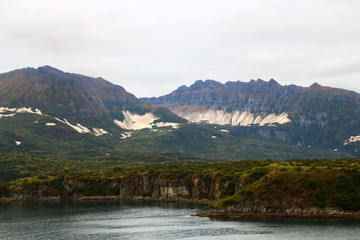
<point x="308" y="183"/>
<point x="314" y="183"/>
<point x="20" y="166"/>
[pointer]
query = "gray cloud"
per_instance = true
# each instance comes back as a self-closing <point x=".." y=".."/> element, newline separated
<point x="152" y="47"/>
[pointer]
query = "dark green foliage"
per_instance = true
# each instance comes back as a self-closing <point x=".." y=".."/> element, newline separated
<point x="228" y="202"/>
<point x="277" y="181"/>
<point x="258" y="173"/>
<point x="94" y="189"/>
<point x="312" y="185"/>
<point x="148" y="193"/>
<point x="20" y="166"/>
<point x="343" y="183"/>
<point x="229" y="189"/>
<point x="245" y="192"/>
<point x="343" y="201"/>
<point x="319" y="199"/>
<point x="4" y="189"/>
<point x="315" y="185"/>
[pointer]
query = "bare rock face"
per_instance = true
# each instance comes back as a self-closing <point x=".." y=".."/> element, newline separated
<point x="171" y="189"/>
<point x="309" y="115"/>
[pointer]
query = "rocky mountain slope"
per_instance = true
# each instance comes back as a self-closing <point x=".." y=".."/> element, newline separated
<point x="308" y="116"/>
<point x="43" y="105"/>
<point x="46" y="111"/>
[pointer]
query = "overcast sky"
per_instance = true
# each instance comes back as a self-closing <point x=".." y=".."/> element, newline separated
<point x="152" y="47"/>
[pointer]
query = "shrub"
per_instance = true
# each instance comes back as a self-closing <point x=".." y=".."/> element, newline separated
<point x="312" y="185"/>
<point x="4" y="191"/>
<point x="229" y="189"/>
<point x="276" y="181"/>
<point x="259" y="173"/>
<point x="342" y="201"/>
<point x="228" y="202"/>
<point x="245" y="192"/>
<point x="319" y="199"/>
<point x="298" y="191"/>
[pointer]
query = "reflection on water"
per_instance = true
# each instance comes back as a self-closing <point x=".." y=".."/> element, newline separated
<point x="152" y="220"/>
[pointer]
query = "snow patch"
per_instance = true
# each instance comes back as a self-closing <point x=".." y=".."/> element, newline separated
<point x="5" y="109"/>
<point x="7" y="115"/>
<point x="81" y="129"/>
<point x="224" y="130"/>
<point x="352" y="139"/>
<point x="236" y="118"/>
<point x="125" y="135"/>
<point x="134" y="121"/>
<point x="17" y="143"/>
<point x="167" y="124"/>
<point x="99" y="131"/>
<point x="10" y="112"/>
<point x="28" y="110"/>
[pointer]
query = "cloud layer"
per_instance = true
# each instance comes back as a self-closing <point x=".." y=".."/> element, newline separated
<point x="152" y="47"/>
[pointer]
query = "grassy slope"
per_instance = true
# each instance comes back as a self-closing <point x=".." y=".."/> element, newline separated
<point x="197" y="140"/>
<point x="46" y="148"/>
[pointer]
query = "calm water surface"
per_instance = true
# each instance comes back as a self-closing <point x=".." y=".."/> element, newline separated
<point x="151" y="220"/>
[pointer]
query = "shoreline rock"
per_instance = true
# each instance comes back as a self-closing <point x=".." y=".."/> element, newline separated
<point x="355" y="215"/>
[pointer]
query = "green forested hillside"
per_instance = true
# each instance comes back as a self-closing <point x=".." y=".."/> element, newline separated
<point x="303" y="184"/>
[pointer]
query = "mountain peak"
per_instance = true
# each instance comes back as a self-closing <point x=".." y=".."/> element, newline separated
<point x="207" y="84"/>
<point x="49" y="69"/>
<point x="272" y="81"/>
<point x="315" y="85"/>
<point x="62" y="94"/>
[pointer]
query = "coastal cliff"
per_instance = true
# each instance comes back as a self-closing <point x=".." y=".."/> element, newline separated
<point x="296" y="188"/>
<point x="193" y="189"/>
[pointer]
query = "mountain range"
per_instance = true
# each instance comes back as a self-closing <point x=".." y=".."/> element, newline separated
<point x="48" y="111"/>
<point x="316" y="115"/>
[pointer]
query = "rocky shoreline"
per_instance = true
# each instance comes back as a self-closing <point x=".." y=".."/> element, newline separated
<point x="309" y="189"/>
<point x="102" y="198"/>
<point x="355" y="215"/>
<point x="213" y="213"/>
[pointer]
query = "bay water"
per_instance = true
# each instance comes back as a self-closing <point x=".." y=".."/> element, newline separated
<point x="153" y="220"/>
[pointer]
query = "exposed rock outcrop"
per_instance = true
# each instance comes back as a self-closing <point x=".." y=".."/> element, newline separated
<point x="135" y="187"/>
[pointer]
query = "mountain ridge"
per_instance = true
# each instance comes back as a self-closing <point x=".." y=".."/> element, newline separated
<point x="320" y="115"/>
<point x="48" y="111"/>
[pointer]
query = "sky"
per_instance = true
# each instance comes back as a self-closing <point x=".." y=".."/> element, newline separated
<point x="152" y="47"/>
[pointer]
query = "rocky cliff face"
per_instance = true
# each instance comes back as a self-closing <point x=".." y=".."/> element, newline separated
<point x="134" y="187"/>
<point x="172" y="189"/>
<point x="306" y="115"/>
<point x="260" y="97"/>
